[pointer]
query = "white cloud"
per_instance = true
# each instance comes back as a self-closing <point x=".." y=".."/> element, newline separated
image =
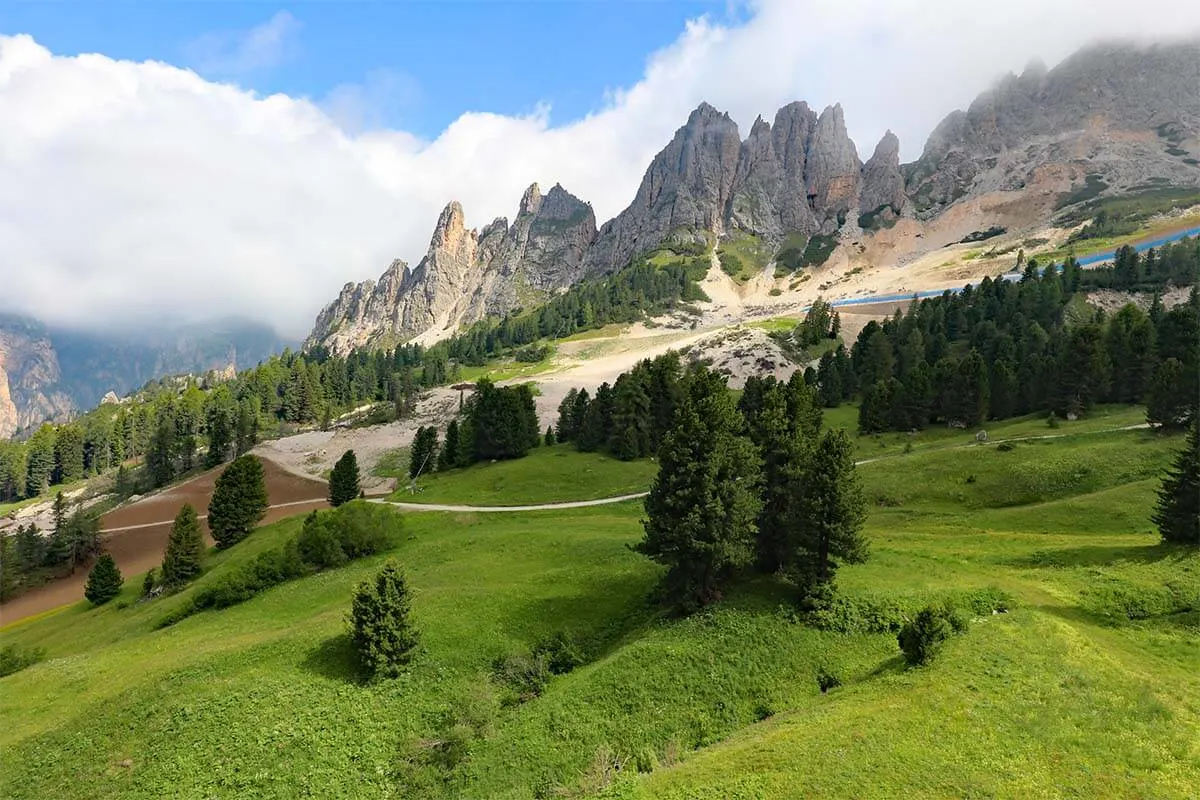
<point x="138" y="191"/>
<point x="235" y="53"/>
<point x="383" y="95"/>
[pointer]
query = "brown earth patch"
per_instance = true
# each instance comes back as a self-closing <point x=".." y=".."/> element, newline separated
<point x="136" y="534"/>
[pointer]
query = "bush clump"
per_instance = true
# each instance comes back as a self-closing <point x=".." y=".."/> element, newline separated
<point x="328" y="539"/>
<point x="14" y="659"/>
<point x="922" y="638"/>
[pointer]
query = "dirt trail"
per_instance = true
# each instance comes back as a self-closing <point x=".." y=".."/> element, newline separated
<point x="136" y="535"/>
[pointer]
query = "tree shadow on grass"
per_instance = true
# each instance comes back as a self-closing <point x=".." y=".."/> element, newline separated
<point x="335" y="659"/>
<point x="889" y="666"/>
<point x="1098" y="555"/>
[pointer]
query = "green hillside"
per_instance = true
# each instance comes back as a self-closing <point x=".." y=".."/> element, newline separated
<point x="1088" y="686"/>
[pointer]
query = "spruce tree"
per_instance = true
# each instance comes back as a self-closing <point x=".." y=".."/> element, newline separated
<point x="448" y="457"/>
<point x="104" y="581"/>
<point x="239" y="501"/>
<point x="344" y="480"/>
<point x="423" y="456"/>
<point x="380" y="629"/>
<point x="185" y="547"/>
<point x="704" y="502"/>
<point x="781" y="446"/>
<point x="566" y="427"/>
<point x="548" y="440"/>
<point x="1177" y="513"/>
<point x="829" y="511"/>
<point x="1169" y="403"/>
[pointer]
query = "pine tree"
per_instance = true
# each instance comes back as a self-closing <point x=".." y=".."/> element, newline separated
<point x="185" y="547"/>
<point x="629" y="434"/>
<point x="1177" y="513"/>
<point x="423" y="456"/>
<point x="829" y="511"/>
<point x="9" y="565"/>
<point x="548" y="440"/>
<point x="30" y="547"/>
<point x="104" y="581"/>
<point x="160" y="457"/>
<point x="239" y="501"/>
<point x="382" y="633"/>
<point x="68" y="454"/>
<point x="597" y="420"/>
<point x="567" y="429"/>
<point x="704" y="502"/>
<point x="1169" y="403"/>
<point x="448" y="457"/>
<point x="782" y="448"/>
<point x="344" y="480"/>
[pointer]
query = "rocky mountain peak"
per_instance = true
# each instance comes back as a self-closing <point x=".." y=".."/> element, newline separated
<point x="832" y="167"/>
<point x="1025" y="122"/>
<point x="531" y="201"/>
<point x="882" y="181"/>
<point x="450" y="228"/>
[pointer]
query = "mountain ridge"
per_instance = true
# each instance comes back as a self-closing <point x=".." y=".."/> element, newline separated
<point x="1092" y="115"/>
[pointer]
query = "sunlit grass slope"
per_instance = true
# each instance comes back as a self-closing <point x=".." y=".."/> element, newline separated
<point x="1088" y="687"/>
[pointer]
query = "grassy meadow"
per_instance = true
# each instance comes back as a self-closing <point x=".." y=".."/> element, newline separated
<point x="1089" y="685"/>
<point x="547" y="475"/>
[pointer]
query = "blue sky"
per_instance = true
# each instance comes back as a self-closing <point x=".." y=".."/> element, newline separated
<point x="420" y="64"/>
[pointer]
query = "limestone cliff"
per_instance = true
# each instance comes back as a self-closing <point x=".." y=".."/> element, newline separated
<point x="465" y="275"/>
<point x="30" y="390"/>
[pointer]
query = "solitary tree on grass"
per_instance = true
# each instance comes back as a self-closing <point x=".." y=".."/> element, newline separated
<point x="383" y="635"/>
<point x="185" y="547"/>
<point x="238" y="502"/>
<point x="344" y="480"/>
<point x="104" y="581"/>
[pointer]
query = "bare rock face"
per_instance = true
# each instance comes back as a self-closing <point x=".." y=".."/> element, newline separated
<point x="685" y="190"/>
<point x="30" y="379"/>
<point x="882" y="180"/>
<point x="832" y="167"/>
<point x="1123" y="109"/>
<point x="769" y="195"/>
<point x="465" y="275"/>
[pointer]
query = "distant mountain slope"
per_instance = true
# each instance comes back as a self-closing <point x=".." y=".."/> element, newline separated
<point x="47" y="374"/>
<point x="1110" y="118"/>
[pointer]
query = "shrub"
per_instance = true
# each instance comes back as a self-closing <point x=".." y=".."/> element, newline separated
<point x="364" y="529"/>
<point x="14" y="659"/>
<point x="827" y="680"/>
<point x="836" y="612"/>
<point x="353" y="531"/>
<point x="149" y="582"/>
<point x="104" y="581"/>
<point x="525" y="675"/>
<point x="923" y="637"/>
<point x="383" y="635"/>
<point x="318" y="545"/>
<point x="561" y="652"/>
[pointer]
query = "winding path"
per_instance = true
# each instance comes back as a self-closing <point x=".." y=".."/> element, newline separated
<point x="603" y="501"/>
